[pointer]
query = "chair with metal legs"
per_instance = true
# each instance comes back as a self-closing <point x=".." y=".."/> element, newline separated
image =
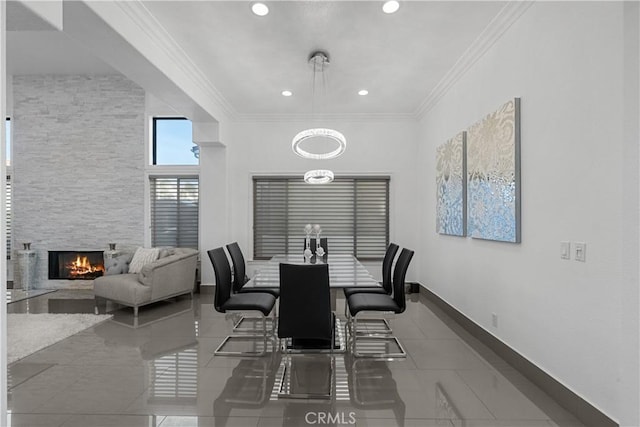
<point x="367" y="302"/>
<point x="386" y="288"/>
<point x="306" y="324"/>
<point x="239" y="280"/>
<point x="225" y="302"/>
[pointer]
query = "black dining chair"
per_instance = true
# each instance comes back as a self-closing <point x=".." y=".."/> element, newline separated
<point x="386" y="288"/>
<point x="368" y="302"/>
<point x="225" y="302"/>
<point x="240" y="278"/>
<point x="306" y="322"/>
<point x="387" y="264"/>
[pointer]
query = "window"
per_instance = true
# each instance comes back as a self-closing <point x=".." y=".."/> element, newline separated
<point x="173" y="142"/>
<point x="353" y="213"/>
<point x="174" y="211"/>
<point x="174" y="184"/>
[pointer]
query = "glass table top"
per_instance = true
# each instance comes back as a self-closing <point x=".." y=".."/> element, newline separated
<point x="344" y="271"/>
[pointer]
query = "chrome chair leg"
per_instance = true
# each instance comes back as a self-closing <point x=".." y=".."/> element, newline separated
<point x="237" y="325"/>
<point x="265" y="336"/>
<point x="284" y="389"/>
<point x="285" y="386"/>
<point x="355" y="337"/>
<point x="385" y="323"/>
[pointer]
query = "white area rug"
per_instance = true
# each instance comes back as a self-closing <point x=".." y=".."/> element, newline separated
<point x="28" y="333"/>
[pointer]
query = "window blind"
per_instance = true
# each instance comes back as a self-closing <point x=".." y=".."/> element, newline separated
<point x="8" y="211"/>
<point x="353" y="213"/>
<point x="174" y="211"/>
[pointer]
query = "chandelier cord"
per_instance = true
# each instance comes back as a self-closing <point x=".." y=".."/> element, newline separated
<point x="320" y="62"/>
<point x="313" y="90"/>
<point x="324" y="83"/>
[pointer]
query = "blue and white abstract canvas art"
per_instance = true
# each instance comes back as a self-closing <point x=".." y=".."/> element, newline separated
<point x="493" y="175"/>
<point x="451" y="209"/>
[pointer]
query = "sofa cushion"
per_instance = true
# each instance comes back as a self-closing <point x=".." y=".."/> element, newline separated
<point x="142" y="257"/>
<point x="117" y="265"/>
<point x="165" y="251"/>
<point x="122" y="287"/>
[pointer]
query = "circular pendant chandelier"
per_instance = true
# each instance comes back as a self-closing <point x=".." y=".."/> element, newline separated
<point x="318" y="176"/>
<point x="319" y="61"/>
<point x="318" y="133"/>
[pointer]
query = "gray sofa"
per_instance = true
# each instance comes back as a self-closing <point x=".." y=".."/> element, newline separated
<point x="169" y="276"/>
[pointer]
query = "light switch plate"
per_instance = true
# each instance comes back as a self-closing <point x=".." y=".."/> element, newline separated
<point x="581" y="251"/>
<point x="565" y="250"/>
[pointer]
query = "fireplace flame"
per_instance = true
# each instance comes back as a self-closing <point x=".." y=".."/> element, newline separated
<point x="81" y="266"/>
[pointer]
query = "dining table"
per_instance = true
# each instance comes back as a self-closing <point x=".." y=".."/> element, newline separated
<point x="344" y="271"/>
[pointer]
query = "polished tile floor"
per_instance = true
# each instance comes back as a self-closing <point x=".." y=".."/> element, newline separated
<point x="160" y="371"/>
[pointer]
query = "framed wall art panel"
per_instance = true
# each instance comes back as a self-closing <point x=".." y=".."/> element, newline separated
<point x="451" y="187"/>
<point x="493" y="175"/>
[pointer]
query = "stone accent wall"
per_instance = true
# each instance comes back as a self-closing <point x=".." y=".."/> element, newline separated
<point x="78" y="165"/>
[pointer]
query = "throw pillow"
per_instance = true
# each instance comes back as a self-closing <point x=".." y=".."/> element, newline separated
<point x="142" y="257"/>
<point x="117" y="265"/>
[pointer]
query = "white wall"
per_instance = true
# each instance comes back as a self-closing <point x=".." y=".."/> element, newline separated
<point x="383" y="147"/>
<point x="630" y="337"/>
<point x="565" y="61"/>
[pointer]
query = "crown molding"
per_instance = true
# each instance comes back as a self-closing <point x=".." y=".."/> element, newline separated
<point x="155" y="32"/>
<point x="509" y="14"/>
<point x="335" y="117"/>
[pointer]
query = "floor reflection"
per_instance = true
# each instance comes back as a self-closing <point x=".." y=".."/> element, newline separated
<point x="15" y="295"/>
<point x="447" y="408"/>
<point x="166" y="339"/>
<point x="248" y="387"/>
<point x="371" y="386"/>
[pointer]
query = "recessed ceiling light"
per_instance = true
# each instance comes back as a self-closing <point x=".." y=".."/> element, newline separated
<point x="390" y="6"/>
<point x="363" y="92"/>
<point x="260" y="9"/>
<point x="287" y="93"/>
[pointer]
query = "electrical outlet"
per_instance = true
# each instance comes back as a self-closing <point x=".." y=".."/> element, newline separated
<point x="565" y="250"/>
<point x="494" y="320"/>
<point x="581" y="251"/>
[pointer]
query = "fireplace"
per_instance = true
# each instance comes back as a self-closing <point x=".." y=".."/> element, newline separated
<point x="75" y="265"/>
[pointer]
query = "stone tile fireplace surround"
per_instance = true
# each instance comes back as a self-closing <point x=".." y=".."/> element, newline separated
<point x="78" y="166"/>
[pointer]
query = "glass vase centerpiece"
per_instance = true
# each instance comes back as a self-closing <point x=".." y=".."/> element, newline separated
<point x="319" y="249"/>
<point x="307" y="242"/>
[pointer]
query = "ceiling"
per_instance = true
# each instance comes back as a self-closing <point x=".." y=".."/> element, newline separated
<point x="34" y="46"/>
<point x="398" y="58"/>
